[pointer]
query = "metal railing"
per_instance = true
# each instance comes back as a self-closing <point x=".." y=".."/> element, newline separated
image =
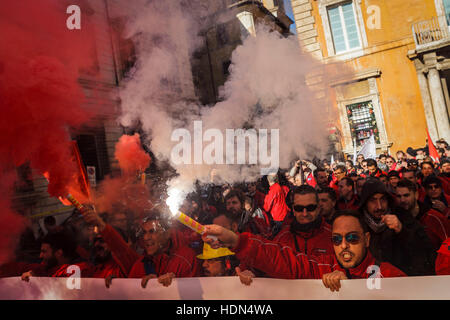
<point x="429" y="31"/>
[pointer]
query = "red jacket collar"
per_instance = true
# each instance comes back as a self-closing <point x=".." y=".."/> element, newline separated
<point x="359" y="271"/>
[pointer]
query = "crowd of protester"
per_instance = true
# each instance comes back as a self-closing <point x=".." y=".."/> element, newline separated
<point x="316" y="220"/>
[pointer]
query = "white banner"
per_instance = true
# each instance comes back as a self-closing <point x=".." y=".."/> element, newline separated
<point x="225" y="288"/>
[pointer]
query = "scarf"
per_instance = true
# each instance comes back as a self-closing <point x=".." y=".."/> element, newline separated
<point x="376" y="227"/>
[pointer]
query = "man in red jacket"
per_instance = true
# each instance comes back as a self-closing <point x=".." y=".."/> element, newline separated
<point x="308" y="233"/>
<point x="113" y="257"/>
<point x="351" y="258"/>
<point x="162" y="260"/>
<point x="275" y="200"/>
<point x="435" y="224"/>
<point x="348" y="199"/>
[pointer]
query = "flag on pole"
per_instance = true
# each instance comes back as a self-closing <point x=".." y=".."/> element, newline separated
<point x="354" y="152"/>
<point x="369" y="150"/>
<point x="432" y="149"/>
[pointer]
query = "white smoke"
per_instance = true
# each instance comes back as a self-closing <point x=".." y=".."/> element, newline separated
<point x="266" y="89"/>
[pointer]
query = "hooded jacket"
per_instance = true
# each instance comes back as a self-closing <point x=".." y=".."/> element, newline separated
<point x="279" y="261"/>
<point x="411" y="249"/>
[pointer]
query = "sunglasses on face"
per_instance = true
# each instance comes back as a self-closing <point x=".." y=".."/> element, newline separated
<point x="309" y="208"/>
<point x="352" y="238"/>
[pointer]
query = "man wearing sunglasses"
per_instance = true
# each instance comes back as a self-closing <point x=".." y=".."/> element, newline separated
<point x="308" y="233"/>
<point x="350" y="259"/>
<point x="435" y="197"/>
<point x="396" y="237"/>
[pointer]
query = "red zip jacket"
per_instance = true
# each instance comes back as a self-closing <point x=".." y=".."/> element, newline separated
<point x="181" y="261"/>
<point x="282" y="262"/>
<point x="275" y="202"/>
<point x="435" y="224"/>
<point x="316" y="242"/>
<point x="124" y="256"/>
<point x="443" y="259"/>
<point x="353" y="204"/>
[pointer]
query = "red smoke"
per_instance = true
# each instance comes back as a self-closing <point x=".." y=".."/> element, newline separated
<point x="40" y="98"/>
<point x="132" y="158"/>
<point x="126" y="194"/>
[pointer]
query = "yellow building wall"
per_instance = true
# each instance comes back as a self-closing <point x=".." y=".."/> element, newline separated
<point x="400" y="97"/>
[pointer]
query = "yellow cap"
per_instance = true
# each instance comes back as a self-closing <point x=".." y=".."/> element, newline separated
<point x="210" y="253"/>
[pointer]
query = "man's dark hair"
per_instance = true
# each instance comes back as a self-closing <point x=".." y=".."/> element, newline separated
<point x="365" y="160"/>
<point x="405" y="183"/>
<point x="330" y="191"/>
<point x="341" y="167"/>
<point x="61" y="241"/>
<point x="431" y="179"/>
<point x="156" y="215"/>
<point x="349" y="182"/>
<point x="304" y="189"/>
<point x="352" y="174"/>
<point x="319" y="169"/>
<point x="350" y="162"/>
<point x="371" y="162"/>
<point x="382" y="156"/>
<point x="393" y="173"/>
<point x="352" y="213"/>
<point x="235" y="193"/>
<point x="382" y="176"/>
<point x="409" y="170"/>
<point x="426" y="162"/>
<point x="442" y="141"/>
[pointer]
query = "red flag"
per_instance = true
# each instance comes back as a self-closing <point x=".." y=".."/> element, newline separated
<point x="432" y="149"/>
<point x="79" y="185"/>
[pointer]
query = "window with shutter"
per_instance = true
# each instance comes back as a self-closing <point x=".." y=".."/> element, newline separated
<point x="344" y="28"/>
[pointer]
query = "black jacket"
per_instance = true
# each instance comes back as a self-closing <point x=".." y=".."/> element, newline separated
<point x="410" y="250"/>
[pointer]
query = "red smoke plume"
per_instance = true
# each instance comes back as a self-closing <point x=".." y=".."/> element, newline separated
<point x="40" y="98"/>
<point x="132" y="158"/>
<point x="126" y="194"/>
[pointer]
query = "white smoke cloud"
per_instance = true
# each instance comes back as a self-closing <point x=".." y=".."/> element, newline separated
<point x="266" y="89"/>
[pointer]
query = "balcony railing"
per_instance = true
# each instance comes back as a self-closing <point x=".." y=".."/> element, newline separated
<point x="431" y="31"/>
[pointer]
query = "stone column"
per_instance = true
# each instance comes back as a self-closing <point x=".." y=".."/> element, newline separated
<point x="427" y="105"/>
<point x="439" y="107"/>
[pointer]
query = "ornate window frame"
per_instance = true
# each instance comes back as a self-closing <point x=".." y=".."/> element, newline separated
<point x="323" y="4"/>
<point x="374" y="97"/>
